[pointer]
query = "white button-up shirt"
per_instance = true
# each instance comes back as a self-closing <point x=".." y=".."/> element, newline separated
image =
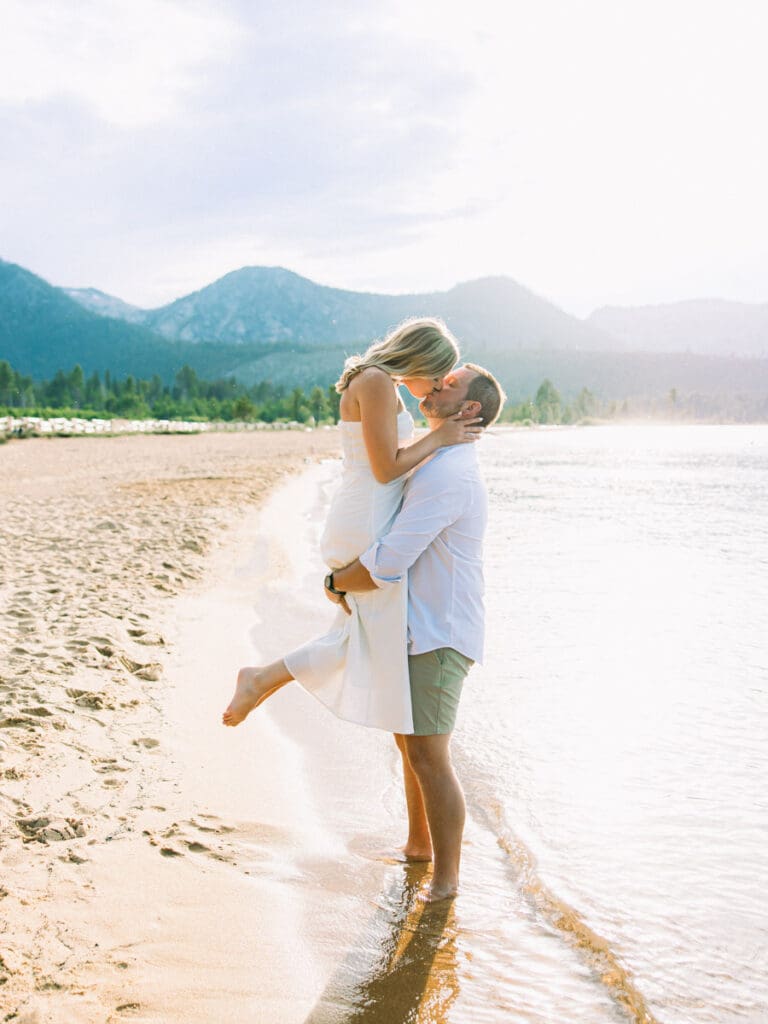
<point x="437" y="538"/>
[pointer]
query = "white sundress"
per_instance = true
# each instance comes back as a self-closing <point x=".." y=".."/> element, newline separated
<point x="359" y="669"/>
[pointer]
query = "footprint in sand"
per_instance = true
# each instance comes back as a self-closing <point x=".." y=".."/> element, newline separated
<point x="150" y="671"/>
<point x="89" y="699"/>
<point x="179" y="837"/>
<point x="127" y="1008"/>
<point x="50" y="830"/>
<point x="108" y="764"/>
<point x="218" y="829"/>
<point x="147" y="742"/>
<point x="39" y="712"/>
<point x="72" y="858"/>
<point x="147" y="639"/>
<point x="16" y="722"/>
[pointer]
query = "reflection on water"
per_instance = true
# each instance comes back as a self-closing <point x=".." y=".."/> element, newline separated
<point x="402" y="968"/>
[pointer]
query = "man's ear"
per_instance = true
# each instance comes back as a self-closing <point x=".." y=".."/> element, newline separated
<point x="469" y="410"/>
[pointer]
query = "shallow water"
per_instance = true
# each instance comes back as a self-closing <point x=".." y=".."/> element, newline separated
<point x="615" y="738"/>
<point x="612" y="749"/>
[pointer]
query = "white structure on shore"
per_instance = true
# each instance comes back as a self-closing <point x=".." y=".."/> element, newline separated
<point x="34" y="426"/>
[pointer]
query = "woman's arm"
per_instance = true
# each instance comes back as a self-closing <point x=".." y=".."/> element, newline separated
<point x="377" y="401"/>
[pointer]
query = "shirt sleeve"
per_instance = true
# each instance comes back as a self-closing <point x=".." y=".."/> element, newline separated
<point x="429" y="506"/>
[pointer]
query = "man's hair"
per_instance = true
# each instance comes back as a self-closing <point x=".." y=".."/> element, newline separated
<point x="485" y="389"/>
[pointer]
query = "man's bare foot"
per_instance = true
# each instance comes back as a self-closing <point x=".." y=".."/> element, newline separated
<point x="252" y="688"/>
<point x="436" y="893"/>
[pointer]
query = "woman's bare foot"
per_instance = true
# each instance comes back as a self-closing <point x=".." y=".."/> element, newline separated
<point x="401" y="855"/>
<point x="415" y="854"/>
<point x="253" y="687"/>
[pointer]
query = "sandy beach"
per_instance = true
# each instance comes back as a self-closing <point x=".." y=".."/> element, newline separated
<point x="157" y="867"/>
<point x="124" y="889"/>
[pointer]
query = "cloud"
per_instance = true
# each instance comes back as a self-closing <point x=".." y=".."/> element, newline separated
<point x="132" y="62"/>
<point x="308" y="128"/>
<point x="589" y="151"/>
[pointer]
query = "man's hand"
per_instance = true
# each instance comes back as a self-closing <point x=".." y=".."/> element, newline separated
<point x="337" y="599"/>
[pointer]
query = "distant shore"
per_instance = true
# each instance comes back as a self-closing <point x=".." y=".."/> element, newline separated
<point x="63" y="426"/>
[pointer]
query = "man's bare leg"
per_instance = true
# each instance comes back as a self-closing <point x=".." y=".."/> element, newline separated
<point x="430" y="758"/>
<point x="418" y="846"/>
<point x="254" y="685"/>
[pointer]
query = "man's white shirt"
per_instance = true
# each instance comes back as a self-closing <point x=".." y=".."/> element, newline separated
<point x="437" y="539"/>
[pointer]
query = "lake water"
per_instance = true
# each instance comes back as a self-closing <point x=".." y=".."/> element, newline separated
<point x="612" y="747"/>
<point x="615" y="740"/>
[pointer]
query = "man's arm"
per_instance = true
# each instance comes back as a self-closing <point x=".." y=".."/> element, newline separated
<point x="354" y="577"/>
<point x="433" y="500"/>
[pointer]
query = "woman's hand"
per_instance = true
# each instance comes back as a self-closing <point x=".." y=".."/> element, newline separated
<point x="459" y="429"/>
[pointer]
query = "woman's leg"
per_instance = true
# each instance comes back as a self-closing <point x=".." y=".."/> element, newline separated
<point x="418" y="846"/>
<point x="254" y="685"/>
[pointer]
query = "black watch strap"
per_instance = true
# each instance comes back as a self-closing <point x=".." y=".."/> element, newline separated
<point x="329" y="586"/>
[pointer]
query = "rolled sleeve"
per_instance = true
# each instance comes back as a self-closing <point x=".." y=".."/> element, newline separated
<point x="425" y="513"/>
<point x="370" y="559"/>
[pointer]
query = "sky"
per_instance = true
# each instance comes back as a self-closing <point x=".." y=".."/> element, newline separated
<point x="599" y="152"/>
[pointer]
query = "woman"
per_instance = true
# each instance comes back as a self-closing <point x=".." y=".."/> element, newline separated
<point x="359" y="669"/>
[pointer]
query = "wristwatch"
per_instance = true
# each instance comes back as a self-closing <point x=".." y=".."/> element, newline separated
<point x="330" y="587"/>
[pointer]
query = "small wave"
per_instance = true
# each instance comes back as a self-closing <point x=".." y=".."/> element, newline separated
<point x="565" y="919"/>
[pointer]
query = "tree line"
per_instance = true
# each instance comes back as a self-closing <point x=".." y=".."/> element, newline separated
<point x="190" y="397"/>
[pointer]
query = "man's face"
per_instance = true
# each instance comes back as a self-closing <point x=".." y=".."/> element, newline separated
<point x="441" y="404"/>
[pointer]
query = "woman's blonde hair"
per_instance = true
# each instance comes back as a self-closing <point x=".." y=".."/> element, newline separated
<point x="418" y="347"/>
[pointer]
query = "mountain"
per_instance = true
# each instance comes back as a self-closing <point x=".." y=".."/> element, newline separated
<point x="42" y="330"/>
<point x="106" y="305"/>
<point x="258" y="305"/>
<point x="266" y="323"/>
<point x="707" y="326"/>
<point x="496" y="313"/>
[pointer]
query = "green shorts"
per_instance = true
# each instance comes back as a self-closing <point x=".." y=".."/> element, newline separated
<point x="436" y="681"/>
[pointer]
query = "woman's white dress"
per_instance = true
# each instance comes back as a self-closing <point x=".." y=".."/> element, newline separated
<point x="359" y="669"/>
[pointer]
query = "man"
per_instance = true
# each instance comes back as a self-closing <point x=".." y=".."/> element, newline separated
<point x="436" y="539"/>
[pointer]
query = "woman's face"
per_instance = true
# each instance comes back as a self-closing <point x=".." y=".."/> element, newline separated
<point x="420" y="387"/>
